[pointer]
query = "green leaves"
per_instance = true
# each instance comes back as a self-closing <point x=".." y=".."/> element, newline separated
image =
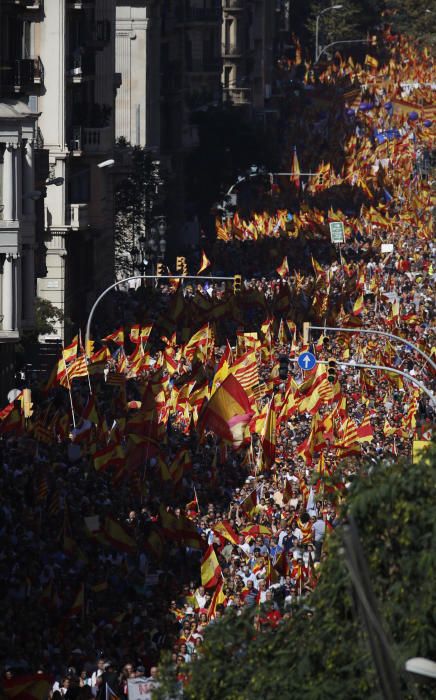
<point x="325" y="654"/>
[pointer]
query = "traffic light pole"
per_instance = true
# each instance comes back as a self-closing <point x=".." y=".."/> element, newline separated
<point x="407" y="376"/>
<point x="362" y="365"/>
<point x="371" y="331"/>
<point x="139" y="277"/>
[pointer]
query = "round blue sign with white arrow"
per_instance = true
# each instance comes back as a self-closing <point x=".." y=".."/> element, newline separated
<point x="306" y="360"/>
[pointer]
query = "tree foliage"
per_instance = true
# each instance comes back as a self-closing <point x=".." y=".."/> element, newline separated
<point x="321" y="650"/>
<point x="137" y="197"/>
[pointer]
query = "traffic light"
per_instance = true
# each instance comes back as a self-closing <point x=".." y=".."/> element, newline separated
<point x="160" y="269"/>
<point x="181" y="265"/>
<point x="306" y="332"/>
<point x="27" y="403"/>
<point x="237" y="282"/>
<point x="283" y="367"/>
<point x="89" y="348"/>
<point x="332" y="371"/>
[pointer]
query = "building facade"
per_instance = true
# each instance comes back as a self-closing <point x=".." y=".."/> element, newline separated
<point x="138" y="63"/>
<point x="76" y="45"/>
<point x="20" y="80"/>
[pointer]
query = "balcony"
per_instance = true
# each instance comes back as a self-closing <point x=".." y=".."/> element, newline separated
<point x="82" y="66"/>
<point x="198" y="15"/>
<point x="28" y="75"/>
<point x="81" y="4"/>
<point x="91" y="140"/>
<point x="231" y="51"/>
<point x="237" y="95"/>
<point x="77" y="216"/>
<point x="30" y="5"/>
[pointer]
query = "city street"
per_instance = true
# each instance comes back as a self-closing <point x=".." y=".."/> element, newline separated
<point x="224" y="486"/>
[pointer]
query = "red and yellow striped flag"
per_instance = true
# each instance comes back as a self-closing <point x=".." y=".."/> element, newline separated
<point x="30" y="687"/>
<point x="283" y="268"/>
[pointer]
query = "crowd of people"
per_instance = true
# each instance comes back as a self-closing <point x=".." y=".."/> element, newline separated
<point x="133" y="514"/>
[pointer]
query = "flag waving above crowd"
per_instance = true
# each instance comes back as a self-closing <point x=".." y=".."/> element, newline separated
<point x="188" y="463"/>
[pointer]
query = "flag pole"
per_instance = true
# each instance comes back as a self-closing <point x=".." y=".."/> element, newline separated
<point x="69" y="388"/>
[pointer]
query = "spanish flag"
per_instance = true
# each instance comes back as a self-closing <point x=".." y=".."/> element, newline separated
<point x="250" y="503"/>
<point x="116" y="337"/>
<point x="78" y="605"/>
<point x="111" y="455"/>
<point x="228" y="412"/>
<point x="224" y="529"/>
<point x="358" y="306"/>
<point x="283" y="268"/>
<point x="218" y="598"/>
<point x="118" y="536"/>
<point x="268" y="436"/>
<point x="70" y="352"/>
<point x="370" y="61"/>
<point x="34" y="686"/>
<point x="210" y="568"/>
<point x="205" y="263"/>
<point x="295" y="169"/>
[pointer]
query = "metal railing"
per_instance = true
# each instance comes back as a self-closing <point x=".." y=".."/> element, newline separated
<point x="29" y="72"/>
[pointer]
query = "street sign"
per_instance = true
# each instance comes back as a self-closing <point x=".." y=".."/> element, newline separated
<point x="306" y="360"/>
<point x="337" y="234"/>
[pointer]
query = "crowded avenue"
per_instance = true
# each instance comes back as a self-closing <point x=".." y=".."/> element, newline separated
<point x="181" y="463"/>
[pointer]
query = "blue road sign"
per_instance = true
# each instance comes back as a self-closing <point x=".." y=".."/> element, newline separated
<point x="306" y="360"/>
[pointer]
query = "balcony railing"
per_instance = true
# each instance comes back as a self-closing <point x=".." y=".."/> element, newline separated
<point x="81" y="65"/>
<point x="237" y="95"/>
<point x="198" y="14"/>
<point x="81" y="4"/>
<point x="91" y="139"/>
<point x="29" y="74"/>
<point x="77" y="216"/>
<point x="32" y="5"/>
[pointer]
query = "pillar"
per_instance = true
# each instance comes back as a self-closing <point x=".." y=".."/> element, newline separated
<point x="8" y="183"/>
<point x="28" y="179"/>
<point x="28" y="275"/>
<point x="8" y="294"/>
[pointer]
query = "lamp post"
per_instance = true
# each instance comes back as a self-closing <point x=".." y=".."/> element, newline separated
<point x="327" y="9"/>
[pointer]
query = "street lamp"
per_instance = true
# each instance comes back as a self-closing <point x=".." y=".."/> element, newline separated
<point x="327" y="9"/>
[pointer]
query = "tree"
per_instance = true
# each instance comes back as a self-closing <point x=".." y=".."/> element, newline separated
<point x="321" y="650"/>
<point x="137" y="198"/>
<point x="352" y="21"/>
<point x="413" y="17"/>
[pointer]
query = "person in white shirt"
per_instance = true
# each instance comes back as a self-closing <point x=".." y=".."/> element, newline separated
<point x="97" y="673"/>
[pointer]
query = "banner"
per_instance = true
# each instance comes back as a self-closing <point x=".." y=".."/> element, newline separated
<point x="140" y="688"/>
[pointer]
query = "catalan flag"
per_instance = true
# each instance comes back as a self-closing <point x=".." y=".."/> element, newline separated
<point x="210" y="568"/>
